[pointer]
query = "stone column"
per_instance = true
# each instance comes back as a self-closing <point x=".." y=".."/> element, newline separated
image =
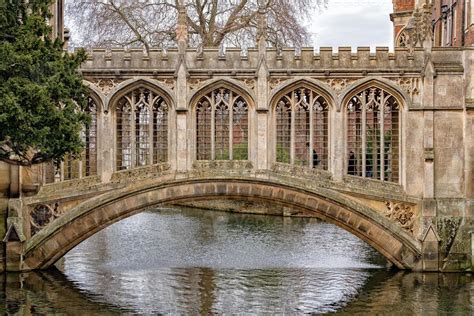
<point x="262" y="106"/>
<point x="338" y="152"/>
<point x="105" y="144"/>
<point x="182" y="141"/>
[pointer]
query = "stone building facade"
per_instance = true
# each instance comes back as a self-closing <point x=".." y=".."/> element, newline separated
<point x="391" y="130"/>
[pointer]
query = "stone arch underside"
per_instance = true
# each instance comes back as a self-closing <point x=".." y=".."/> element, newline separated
<point x="89" y="217"/>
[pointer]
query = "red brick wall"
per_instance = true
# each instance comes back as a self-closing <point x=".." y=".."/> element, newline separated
<point x="403" y="5"/>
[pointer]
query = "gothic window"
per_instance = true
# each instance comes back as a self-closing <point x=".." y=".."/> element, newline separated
<point x="124" y="134"/>
<point x="403" y="39"/>
<point x="160" y="131"/>
<point x="222" y="126"/>
<point x="302" y="129"/>
<point x="203" y="135"/>
<point x="373" y="135"/>
<point x="142" y="129"/>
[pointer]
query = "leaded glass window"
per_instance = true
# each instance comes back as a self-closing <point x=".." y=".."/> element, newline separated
<point x="373" y="135"/>
<point x="302" y="129"/>
<point x="142" y="129"/>
<point x="222" y="126"/>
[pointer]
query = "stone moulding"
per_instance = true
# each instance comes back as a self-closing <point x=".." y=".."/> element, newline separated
<point x="140" y="173"/>
<point x="223" y="164"/>
<point x="301" y="171"/>
<point x="82" y="184"/>
<point x="374" y="185"/>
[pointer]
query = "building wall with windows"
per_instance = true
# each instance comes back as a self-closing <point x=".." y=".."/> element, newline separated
<point x="452" y="21"/>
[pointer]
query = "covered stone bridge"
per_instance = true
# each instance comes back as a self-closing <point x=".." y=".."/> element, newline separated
<point x="377" y="142"/>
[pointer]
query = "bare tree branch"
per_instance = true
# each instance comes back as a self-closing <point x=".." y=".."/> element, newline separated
<point x="212" y="23"/>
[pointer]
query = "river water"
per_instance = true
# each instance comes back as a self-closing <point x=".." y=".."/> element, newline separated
<point x="185" y="261"/>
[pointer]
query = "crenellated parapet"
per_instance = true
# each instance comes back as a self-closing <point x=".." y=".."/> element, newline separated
<point x="290" y="60"/>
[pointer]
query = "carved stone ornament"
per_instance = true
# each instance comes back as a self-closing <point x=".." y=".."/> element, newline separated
<point x="182" y="28"/>
<point x="42" y="215"/>
<point x="419" y="28"/>
<point x="106" y="85"/>
<point x="402" y="213"/>
<point x="410" y="86"/>
<point x="195" y="83"/>
<point x="275" y="82"/>
<point x="249" y="82"/>
<point x="339" y="84"/>
<point x="167" y="82"/>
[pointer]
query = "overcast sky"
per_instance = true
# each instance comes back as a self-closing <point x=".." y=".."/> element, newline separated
<point x="353" y="23"/>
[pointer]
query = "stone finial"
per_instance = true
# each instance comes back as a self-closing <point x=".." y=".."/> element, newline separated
<point x="182" y="25"/>
<point x="262" y="27"/>
<point x="419" y="29"/>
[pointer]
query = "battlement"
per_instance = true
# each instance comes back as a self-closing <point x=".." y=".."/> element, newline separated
<point x="211" y="59"/>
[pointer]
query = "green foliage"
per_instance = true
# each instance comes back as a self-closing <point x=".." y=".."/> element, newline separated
<point x="42" y="98"/>
<point x="282" y="154"/>
<point x="240" y="152"/>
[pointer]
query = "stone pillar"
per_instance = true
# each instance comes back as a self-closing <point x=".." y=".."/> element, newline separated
<point x="262" y="94"/>
<point x="337" y="154"/>
<point x="105" y="144"/>
<point x="181" y="74"/>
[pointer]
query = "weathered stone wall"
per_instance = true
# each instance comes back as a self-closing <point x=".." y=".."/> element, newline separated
<point x="4" y="192"/>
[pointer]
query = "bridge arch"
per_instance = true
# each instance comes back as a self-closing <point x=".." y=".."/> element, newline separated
<point x="91" y="216"/>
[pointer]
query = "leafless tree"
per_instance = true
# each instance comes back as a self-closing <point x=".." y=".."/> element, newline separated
<point x="212" y="23"/>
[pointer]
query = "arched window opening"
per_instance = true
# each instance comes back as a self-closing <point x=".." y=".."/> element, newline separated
<point x="222" y="126"/>
<point x="221" y="130"/>
<point x="142" y="129"/>
<point x="373" y="135"/>
<point x="240" y="130"/>
<point x="124" y="134"/>
<point x="160" y="131"/>
<point x="203" y="135"/>
<point x="302" y="129"/>
<point x="283" y="125"/>
<point x="403" y="39"/>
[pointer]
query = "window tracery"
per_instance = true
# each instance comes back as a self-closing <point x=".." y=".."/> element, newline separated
<point x="302" y="129"/>
<point x="142" y="129"/>
<point x="373" y="135"/>
<point x="222" y="126"/>
<point x="403" y="39"/>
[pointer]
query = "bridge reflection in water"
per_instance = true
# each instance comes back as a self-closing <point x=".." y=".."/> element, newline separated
<point x="195" y="262"/>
